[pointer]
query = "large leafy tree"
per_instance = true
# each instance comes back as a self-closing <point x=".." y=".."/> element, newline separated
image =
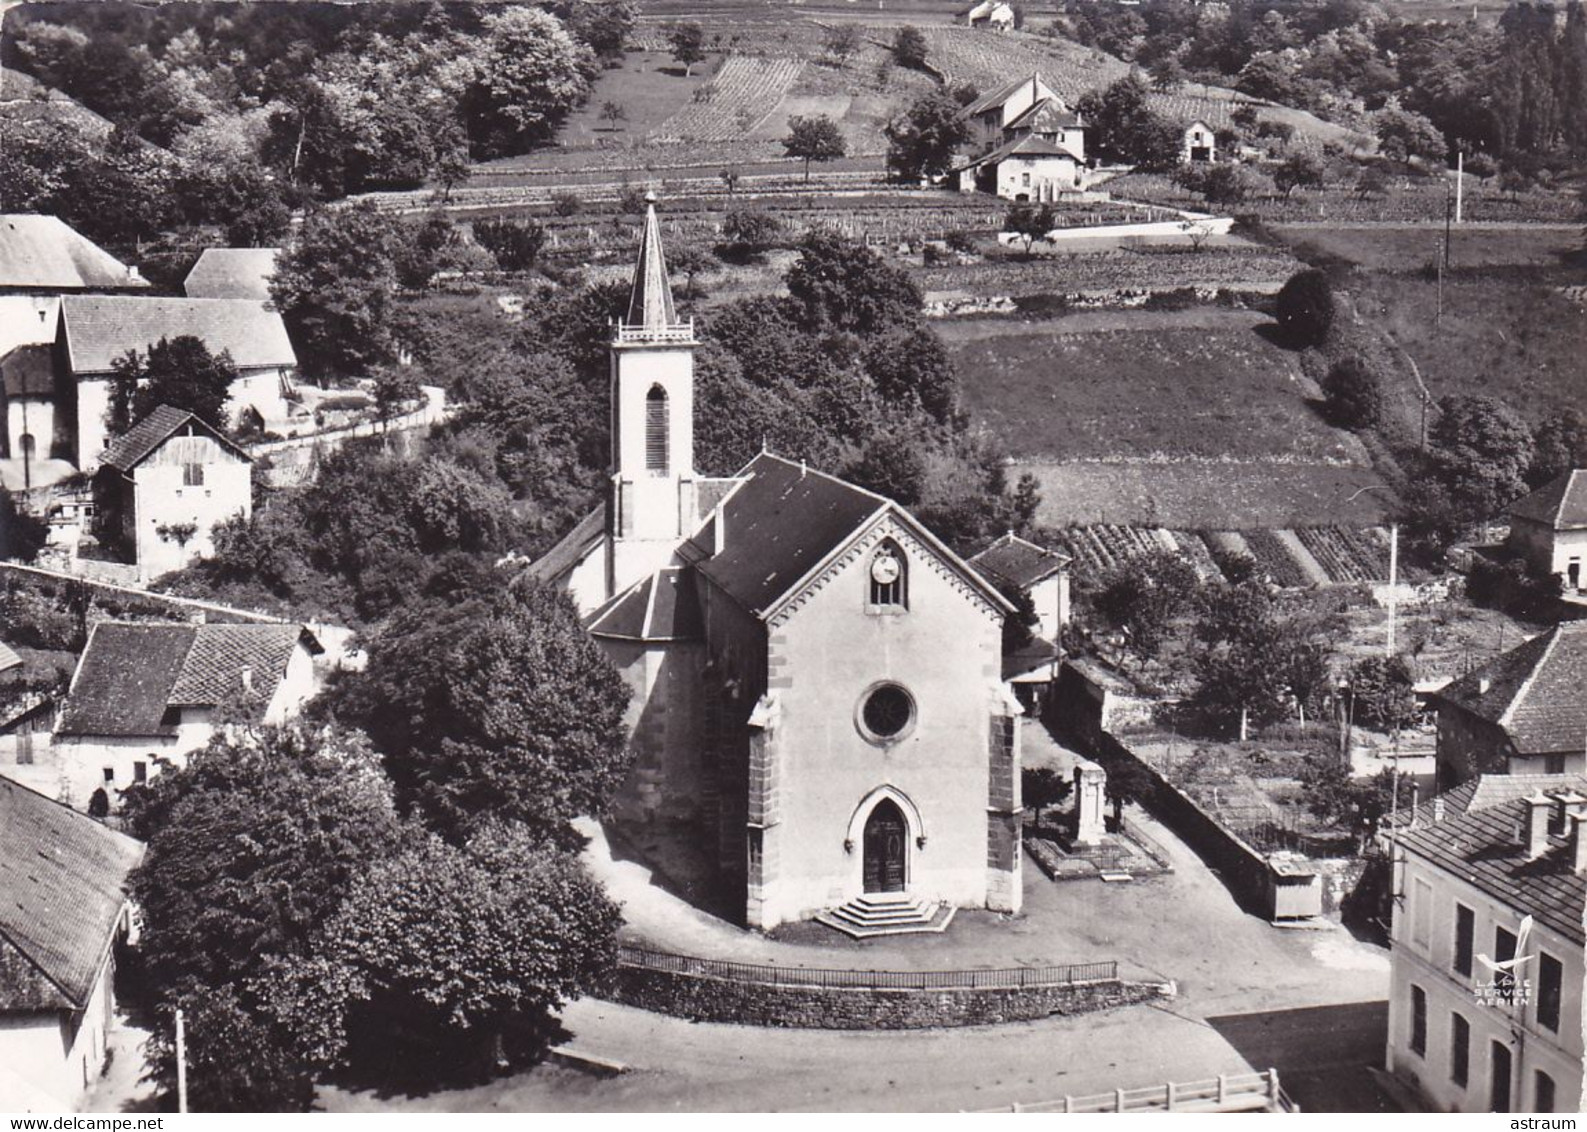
<point x="1125" y="128"/>
<point x="814" y="138"/>
<point x="180" y="372"/>
<point x="1145" y="596"/>
<point x="1481" y="450"/>
<point x="922" y="141"/>
<point x="1561" y="446"/>
<point x="490" y="701"/>
<point x="441" y="953"/>
<point x="1256" y="658"/>
<point x="530" y="74"/>
<point x="335" y="285"/>
<point x="841" y="285"/>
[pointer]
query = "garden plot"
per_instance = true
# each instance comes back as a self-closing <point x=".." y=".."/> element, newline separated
<point x="1281" y="555"/>
<point x="743" y="93"/>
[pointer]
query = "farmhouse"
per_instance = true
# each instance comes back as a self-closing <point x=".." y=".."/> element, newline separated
<point x="1479" y="889"/>
<point x="995" y="15"/>
<point x="1549" y="528"/>
<point x="1524" y="712"/>
<point x="1200" y="143"/>
<point x="97" y="330"/>
<point x="817" y="693"/>
<point x="232" y="273"/>
<point x="61" y="912"/>
<point x="1033" y="145"/>
<point x="42" y="259"/>
<point x="147" y="695"/>
<point x="163" y="486"/>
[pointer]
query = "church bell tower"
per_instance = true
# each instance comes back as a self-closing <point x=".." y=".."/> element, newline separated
<point x="652" y="503"/>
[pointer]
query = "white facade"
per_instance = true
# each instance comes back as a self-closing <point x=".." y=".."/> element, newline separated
<point x="1037" y="177"/>
<point x="49" y="1060"/>
<point x="1200" y="143"/>
<point x="186" y="480"/>
<point x="1562" y="552"/>
<point x="1426" y="970"/>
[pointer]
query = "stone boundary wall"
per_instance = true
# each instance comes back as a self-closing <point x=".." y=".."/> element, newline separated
<point x="704" y="998"/>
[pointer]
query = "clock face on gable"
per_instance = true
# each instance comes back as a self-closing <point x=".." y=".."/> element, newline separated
<point x="884" y="569"/>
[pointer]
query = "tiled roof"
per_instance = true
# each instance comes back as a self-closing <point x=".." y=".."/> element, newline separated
<point x="556" y="562"/>
<point x="8" y="658"/>
<point x="1480" y="793"/>
<point x="44" y="253"/>
<point x="1560" y="504"/>
<point x="999" y="96"/>
<point x="660" y="607"/>
<point x="133" y="447"/>
<point x="213" y="670"/>
<point x="1038" y="654"/>
<point x="1018" y="562"/>
<point x="1028" y="146"/>
<point x="101" y="328"/>
<point x="61" y="877"/>
<point x="29" y="371"/>
<point x="785" y="519"/>
<point x="1537" y="691"/>
<point x="1047" y="114"/>
<point x="232" y="273"/>
<point x="131" y="673"/>
<point x="1481" y="848"/>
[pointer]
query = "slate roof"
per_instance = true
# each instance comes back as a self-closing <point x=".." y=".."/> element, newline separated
<point x="1560" y="504"/>
<point x="571" y="547"/>
<point x="660" y="607"/>
<point x="8" y="658"/>
<point x="650" y="301"/>
<point x="1537" y="691"/>
<point x="232" y="273"/>
<point x="29" y="371"/>
<point x="1028" y="146"/>
<point x="101" y="328"/>
<point x="132" y="673"/>
<point x="1481" y="847"/>
<point x="43" y="253"/>
<point x="785" y="519"/>
<point x="1019" y="562"/>
<point x="61" y="878"/>
<point x="134" y="446"/>
<point x="999" y="96"/>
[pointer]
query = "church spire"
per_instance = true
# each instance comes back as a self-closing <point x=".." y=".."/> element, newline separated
<point x="650" y="305"/>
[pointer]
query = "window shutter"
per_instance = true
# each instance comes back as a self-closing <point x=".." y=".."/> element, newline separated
<point x="656" y="430"/>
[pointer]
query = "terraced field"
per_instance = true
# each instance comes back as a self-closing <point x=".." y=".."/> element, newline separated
<point x="1283" y="556"/>
<point x="741" y="95"/>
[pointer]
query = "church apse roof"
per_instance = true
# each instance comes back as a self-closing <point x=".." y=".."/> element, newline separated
<point x="660" y="607"/>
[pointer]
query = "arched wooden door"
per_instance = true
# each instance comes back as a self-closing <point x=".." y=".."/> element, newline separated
<point x="885" y="839"/>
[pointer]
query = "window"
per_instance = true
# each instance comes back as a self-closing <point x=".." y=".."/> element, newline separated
<point x="886" y="712"/>
<point x="1504" y="950"/>
<point x="1459" y="1050"/>
<point x="656" y="430"/>
<point x="1418" y="1021"/>
<point x="1553" y="764"/>
<point x="1499" y="1078"/>
<point x="192" y="475"/>
<point x="1542" y="1092"/>
<point x="1465" y="932"/>
<point x="140" y="771"/>
<point x="1024" y="180"/>
<point x="1550" y="982"/>
<point x="110" y="774"/>
<point x="888" y="585"/>
<point x="1421" y="914"/>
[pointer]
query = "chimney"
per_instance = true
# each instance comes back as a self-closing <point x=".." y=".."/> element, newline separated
<point x="1438" y="808"/>
<point x="1573" y="803"/>
<point x="1578" y="843"/>
<point x="1483" y="684"/>
<point x="1535" y="832"/>
<point x="247" y="679"/>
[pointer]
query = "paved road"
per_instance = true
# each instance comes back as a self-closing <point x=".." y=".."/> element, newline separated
<point x="1309" y="1003"/>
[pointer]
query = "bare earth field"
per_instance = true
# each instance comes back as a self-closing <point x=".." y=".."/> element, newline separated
<point x="1383" y="247"/>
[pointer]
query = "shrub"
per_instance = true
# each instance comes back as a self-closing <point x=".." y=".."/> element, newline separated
<point x="1305" y="308"/>
<point x="566" y="204"/>
<point x="1354" y="395"/>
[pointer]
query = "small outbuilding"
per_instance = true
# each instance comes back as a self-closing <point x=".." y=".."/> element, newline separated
<point x="994" y="15"/>
<point x="1549" y="528"/>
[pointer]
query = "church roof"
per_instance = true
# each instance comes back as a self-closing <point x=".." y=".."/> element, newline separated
<point x="650" y="303"/>
<point x="659" y="607"/>
<point x="1560" y="504"/>
<point x="786" y="520"/>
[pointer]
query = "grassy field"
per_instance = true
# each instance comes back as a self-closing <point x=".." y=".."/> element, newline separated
<point x="1380" y="248"/>
<point x="1148" y="390"/>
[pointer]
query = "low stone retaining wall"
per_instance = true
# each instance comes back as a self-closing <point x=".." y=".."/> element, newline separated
<point x="712" y="998"/>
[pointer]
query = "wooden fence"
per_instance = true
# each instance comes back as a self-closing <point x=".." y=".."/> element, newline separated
<point x="1069" y="974"/>
<point x="1228" y="1092"/>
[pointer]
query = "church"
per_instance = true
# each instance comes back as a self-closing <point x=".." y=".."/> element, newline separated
<point x="817" y="678"/>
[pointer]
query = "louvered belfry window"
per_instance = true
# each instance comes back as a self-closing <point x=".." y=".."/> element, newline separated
<point x="656" y="430"/>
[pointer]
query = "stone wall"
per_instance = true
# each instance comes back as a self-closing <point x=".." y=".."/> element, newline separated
<point x="703" y="998"/>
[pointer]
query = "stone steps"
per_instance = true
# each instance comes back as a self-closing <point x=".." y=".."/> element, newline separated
<point x="887" y="913"/>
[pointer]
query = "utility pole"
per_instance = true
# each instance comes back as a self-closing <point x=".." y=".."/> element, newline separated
<point x="181" y="1064"/>
<point x="1394" y="583"/>
<point x="1460" y="182"/>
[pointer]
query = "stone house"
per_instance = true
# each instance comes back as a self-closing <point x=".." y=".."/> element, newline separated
<point x="1032" y="145"/>
<point x="994" y="15"/>
<point x="1200" y="143"/>
<point x="96" y="330"/>
<point x="1016" y="565"/>
<point x="42" y="259"/>
<point x="163" y="487"/>
<point x="817" y="692"/>
<point x="62" y="908"/>
<point x="1486" y="960"/>
<point x="146" y="695"/>
<point x="1524" y="712"/>
<point x="1548" y="528"/>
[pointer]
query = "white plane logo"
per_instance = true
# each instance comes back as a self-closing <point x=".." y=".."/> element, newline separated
<point x="1512" y="965"/>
